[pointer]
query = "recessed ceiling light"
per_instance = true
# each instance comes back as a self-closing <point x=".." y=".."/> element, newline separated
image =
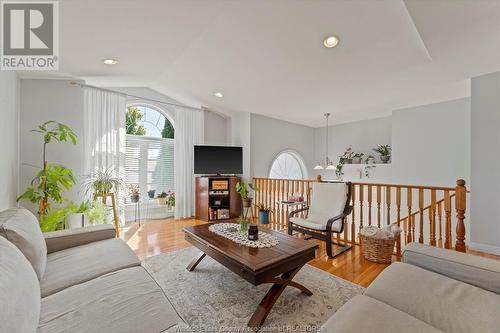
<point x="219" y="94"/>
<point x="110" y="61"/>
<point x="331" y="41"/>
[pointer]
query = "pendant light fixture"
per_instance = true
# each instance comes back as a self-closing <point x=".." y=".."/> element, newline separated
<point x="328" y="164"/>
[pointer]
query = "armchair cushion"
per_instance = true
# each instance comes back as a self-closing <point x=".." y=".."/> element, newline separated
<point x="316" y="225"/>
<point x="20" y="227"/>
<point x="64" y="239"/>
<point x="327" y="200"/>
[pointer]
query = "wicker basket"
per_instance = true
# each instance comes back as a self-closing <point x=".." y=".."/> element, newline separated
<point x="377" y="250"/>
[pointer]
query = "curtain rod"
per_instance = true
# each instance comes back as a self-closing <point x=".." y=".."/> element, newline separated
<point x="82" y="85"/>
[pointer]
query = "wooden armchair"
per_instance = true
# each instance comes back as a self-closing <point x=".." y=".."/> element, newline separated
<point x="326" y="214"/>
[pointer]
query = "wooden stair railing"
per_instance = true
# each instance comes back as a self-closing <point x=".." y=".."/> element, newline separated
<point x="425" y="212"/>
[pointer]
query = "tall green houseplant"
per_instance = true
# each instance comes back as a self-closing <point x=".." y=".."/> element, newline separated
<point x="53" y="179"/>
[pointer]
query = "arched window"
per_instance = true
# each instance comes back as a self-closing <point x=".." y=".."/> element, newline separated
<point x="288" y="165"/>
<point x="145" y="121"/>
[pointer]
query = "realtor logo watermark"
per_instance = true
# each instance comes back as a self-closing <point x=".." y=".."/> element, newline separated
<point x="29" y="35"/>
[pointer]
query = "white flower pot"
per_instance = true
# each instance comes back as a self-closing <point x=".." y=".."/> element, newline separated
<point x="77" y="220"/>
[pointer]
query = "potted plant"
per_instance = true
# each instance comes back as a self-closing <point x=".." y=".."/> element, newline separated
<point x="370" y="159"/>
<point x="103" y="182"/>
<point x="98" y="213"/>
<point x="244" y="191"/>
<point x="385" y="152"/>
<point x="348" y="154"/>
<point x="339" y="168"/>
<point x="356" y="158"/>
<point x="133" y="191"/>
<point x="264" y="213"/>
<point x="162" y="198"/>
<point x="52" y="180"/>
<point x="170" y="199"/>
<point x="151" y="194"/>
<point x="243" y="224"/>
<point x="78" y="218"/>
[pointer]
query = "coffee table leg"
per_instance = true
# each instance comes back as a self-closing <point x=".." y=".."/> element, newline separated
<point x="265" y="306"/>
<point x="195" y="262"/>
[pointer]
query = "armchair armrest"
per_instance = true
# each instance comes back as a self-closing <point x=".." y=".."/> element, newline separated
<point x="478" y="271"/>
<point x="63" y="239"/>
<point x="293" y="212"/>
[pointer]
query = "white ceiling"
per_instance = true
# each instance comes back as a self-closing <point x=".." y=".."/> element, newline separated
<point x="267" y="57"/>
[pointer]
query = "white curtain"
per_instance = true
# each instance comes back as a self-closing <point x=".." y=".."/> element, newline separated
<point x="104" y="123"/>
<point x="188" y="132"/>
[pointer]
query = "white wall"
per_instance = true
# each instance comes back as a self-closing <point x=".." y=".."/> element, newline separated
<point x="43" y="100"/>
<point x="485" y="180"/>
<point x="9" y="138"/>
<point x="215" y="128"/>
<point x="241" y="136"/>
<point x="271" y="136"/>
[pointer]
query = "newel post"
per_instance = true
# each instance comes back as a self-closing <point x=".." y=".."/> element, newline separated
<point x="318" y="178"/>
<point x="460" y="206"/>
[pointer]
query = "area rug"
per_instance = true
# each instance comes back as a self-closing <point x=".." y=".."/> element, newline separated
<point x="213" y="299"/>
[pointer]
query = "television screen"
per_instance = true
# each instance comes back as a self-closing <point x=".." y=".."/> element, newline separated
<point x="210" y="160"/>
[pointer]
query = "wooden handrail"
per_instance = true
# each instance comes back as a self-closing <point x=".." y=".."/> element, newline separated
<point x="379" y="204"/>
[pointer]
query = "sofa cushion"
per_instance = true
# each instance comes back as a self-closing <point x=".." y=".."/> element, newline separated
<point x="21" y="228"/>
<point x="365" y="314"/>
<point x="127" y="300"/>
<point x="82" y="263"/>
<point x="19" y="291"/>
<point x="447" y="304"/>
<point x="478" y="271"/>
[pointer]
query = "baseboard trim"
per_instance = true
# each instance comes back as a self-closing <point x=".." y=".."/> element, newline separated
<point x="485" y="248"/>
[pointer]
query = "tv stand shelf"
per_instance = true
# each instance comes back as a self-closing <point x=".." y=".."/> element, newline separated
<point x="216" y="198"/>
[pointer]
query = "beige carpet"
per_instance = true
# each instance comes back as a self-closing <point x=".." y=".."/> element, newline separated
<point x="214" y="299"/>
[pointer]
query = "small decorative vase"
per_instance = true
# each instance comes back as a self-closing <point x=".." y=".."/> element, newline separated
<point x="263" y="217"/>
<point x="134" y="198"/>
<point x="151" y="194"/>
<point x="77" y="220"/>
<point x="385" y="159"/>
<point x="253" y="233"/>
<point x="243" y="226"/>
<point x="356" y="160"/>
<point x="162" y="201"/>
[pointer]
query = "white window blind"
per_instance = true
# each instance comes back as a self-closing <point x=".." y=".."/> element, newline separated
<point x="149" y="163"/>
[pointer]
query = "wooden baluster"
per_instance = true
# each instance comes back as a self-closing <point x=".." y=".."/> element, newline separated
<point x="460" y="206"/>
<point x="405" y="229"/>
<point x="413" y="227"/>
<point x="369" y="204"/>
<point x="256" y="194"/>
<point x="353" y="221"/>
<point x="447" y="217"/>
<point x="361" y="199"/>
<point x="388" y="203"/>
<point x="379" y="200"/>
<point x="284" y="219"/>
<point x="398" y="212"/>
<point x="440" y="225"/>
<point x="285" y="196"/>
<point x="421" y="213"/>
<point x="432" y="218"/>
<point x="410" y="217"/>
<point x="271" y="203"/>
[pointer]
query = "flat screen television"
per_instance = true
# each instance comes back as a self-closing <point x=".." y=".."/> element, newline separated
<point x="218" y="160"/>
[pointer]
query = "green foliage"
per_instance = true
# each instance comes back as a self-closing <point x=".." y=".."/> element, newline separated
<point x="168" y="130"/>
<point x="244" y="190"/>
<point x="52" y="130"/>
<point x="263" y="208"/>
<point x="243" y="224"/>
<point x="102" y="182"/>
<point x="132" y="118"/>
<point x="56" y="218"/>
<point x="97" y="213"/>
<point x="57" y="180"/>
<point x="383" y="150"/>
<point x="171" y="199"/>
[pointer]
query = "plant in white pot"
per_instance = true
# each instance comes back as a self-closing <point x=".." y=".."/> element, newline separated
<point x="78" y="218"/>
<point x="356" y="158"/>
<point x="385" y="152"/>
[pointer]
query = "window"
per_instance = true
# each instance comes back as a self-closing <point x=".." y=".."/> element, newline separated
<point x="149" y="154"/>
<point x="288" y="165"/>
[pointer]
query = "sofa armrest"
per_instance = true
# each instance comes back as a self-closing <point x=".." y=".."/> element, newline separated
<point x="63" y="239"/>
<point x="478" y="271"/>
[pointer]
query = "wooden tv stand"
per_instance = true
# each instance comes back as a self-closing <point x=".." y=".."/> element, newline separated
<point x="216" y="198"/>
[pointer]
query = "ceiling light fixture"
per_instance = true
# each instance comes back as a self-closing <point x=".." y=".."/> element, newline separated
<point x="219" y="94"/>
<point x="331" y="41"/>
<point x="110" y="61"/>
<point x="328" y="163"/>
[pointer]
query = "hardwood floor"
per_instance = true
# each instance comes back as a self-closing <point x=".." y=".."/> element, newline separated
<point x="159" y="236"/>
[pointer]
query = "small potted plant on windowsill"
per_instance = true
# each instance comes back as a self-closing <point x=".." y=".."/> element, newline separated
<point x="170" y="200"/>
<point x="133" y="191"/>
<point x="385" y="152"/>
<point x="162" y="198"/>
<point x="264" y="213"/>
<point x="356" y="158"/>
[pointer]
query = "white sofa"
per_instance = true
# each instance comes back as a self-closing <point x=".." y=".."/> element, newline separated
<point x="432" y="290"/>
<point x="81" y="280"/>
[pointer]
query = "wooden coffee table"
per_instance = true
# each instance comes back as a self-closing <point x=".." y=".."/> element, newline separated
<point x="277" y="265"/>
